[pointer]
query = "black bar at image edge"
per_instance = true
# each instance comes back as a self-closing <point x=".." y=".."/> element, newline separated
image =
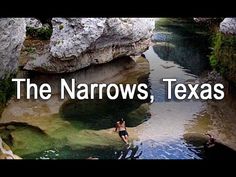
<point x="118" y="9"/>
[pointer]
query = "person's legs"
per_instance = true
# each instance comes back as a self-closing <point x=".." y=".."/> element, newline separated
<point x="124" y="139"/>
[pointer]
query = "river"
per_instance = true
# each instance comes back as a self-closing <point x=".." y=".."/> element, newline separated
<point x="165" y="129"/>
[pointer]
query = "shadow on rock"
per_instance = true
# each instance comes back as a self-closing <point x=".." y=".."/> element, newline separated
<point x="216" y="151"/>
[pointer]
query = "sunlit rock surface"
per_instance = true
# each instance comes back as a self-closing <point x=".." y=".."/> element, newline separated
<point x="79" y="42"/>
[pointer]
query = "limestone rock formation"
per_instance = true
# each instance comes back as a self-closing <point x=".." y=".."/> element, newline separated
<point x="33" y="23"/>
<point x="79" y="42"/>
<point x="12" y="35"/>
<point x="228" y="26"/>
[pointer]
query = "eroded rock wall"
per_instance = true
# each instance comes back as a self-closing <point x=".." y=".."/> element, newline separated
<point x="79" y="42"/>
<point x="12" y="35"/>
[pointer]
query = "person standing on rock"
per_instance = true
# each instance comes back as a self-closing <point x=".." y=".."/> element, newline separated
<point x="121" y="129"/>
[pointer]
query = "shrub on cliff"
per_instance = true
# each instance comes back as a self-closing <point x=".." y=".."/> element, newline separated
<point x="7" y="89"/>
<point x="223" y="55"/>
<point x="43" y="33"/>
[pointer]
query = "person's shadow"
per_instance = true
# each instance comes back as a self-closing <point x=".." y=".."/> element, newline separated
<point x="124" y="154"/>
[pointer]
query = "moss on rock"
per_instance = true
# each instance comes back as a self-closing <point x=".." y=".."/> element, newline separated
<point x="43" y="33"/>
<point x="223" y="55"/>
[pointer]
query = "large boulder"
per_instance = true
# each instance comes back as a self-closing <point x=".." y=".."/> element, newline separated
<point x="12" y="35"/>
<point x="79" y="42"/>
<point x="228" y="26"/>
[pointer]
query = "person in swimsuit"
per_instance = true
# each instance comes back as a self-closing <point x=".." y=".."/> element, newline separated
<point x="121" y="129"/>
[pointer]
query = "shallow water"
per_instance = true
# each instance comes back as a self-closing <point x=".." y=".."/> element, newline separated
<point x="82" y="129"/>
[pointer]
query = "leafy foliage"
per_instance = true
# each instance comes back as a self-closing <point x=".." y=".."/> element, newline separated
<point x="43" y="33"/>
<point x="7" y="89"/>
<point x="223" y="55"/>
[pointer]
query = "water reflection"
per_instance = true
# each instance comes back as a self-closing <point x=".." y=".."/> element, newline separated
<point x="181" y="55"/>
<point x="183" y="45"/>
<point x="164" y="69"/>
